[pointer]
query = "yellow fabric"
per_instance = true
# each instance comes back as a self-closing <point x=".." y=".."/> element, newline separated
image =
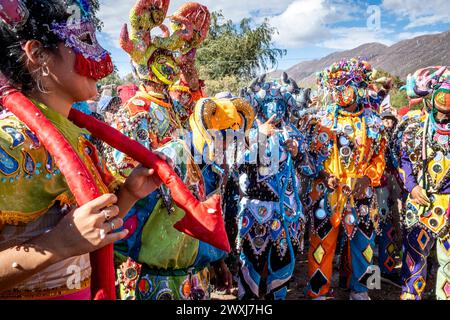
<point x="369" y="164"/>
<point x="372" y="165"/>
<point x="226" y="116"/>
<point x="444" y="163"/>
<point x="219" y="114"/>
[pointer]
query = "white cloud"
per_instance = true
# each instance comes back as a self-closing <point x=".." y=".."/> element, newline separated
<point x="419" y="12"/>
<point x="114" y="13"/>
<point x="310" y="23"/>
<point x="303" y="23"/>
<point x="349" y="38"/>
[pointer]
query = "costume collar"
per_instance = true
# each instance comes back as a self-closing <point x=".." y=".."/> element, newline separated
<point x="64" y="125"/>
<point x="344" y="113"/>
<point x="153" y="96"/>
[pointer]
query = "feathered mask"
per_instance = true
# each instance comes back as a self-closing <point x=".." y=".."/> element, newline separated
<point x="78" y="33"/>
<point x="347" y="80"/>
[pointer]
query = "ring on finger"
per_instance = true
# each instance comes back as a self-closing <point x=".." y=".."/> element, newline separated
<point x="113" y="226"/>
<point x="102" y="234"/>
<point x="106" y="214"/>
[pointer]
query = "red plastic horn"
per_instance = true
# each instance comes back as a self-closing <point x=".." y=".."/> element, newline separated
<point x="202" y="221"/>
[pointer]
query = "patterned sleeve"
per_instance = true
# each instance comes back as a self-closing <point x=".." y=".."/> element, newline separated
<point x="407" y="171"/>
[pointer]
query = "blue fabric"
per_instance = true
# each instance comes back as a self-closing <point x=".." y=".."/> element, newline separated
<point x="383" y="243"/>
<point x="83" y="107"/>
<point x="359" y="263"/>
<point x="208" y="254"/>
<point x="104" y="103"/>
<point x="280" y="294"/>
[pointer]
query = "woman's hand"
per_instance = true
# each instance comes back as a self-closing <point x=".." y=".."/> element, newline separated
<point x="143" y="181"/>
<point x="88" y="228"/>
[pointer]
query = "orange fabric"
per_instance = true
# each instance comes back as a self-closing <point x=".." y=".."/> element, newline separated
<point x="326" y="265"/>
<point x="375" y="170"/>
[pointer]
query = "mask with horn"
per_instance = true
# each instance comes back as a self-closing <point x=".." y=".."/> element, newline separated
<point x="150" y="62"/>
<point x="424" y="82"/>
<point x="292" y="86"/>
<point x="272" y="99"/>
<point x="218" y="115"/>
<point x="190" y="25"/>
<point x="154" y="57"/>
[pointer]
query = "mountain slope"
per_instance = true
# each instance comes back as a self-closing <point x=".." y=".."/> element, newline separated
<point x="399" y="59"/>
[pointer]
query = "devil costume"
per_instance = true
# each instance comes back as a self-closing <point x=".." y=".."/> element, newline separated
<point x="157" y="262"/>
<point x="348" y="145"/>
<point x="270" y="217"/>
<point x="389" y="193"/>
<point x="425" y="162"/>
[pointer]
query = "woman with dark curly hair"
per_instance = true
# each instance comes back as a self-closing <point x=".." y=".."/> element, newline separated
<point x="50" y="54"/>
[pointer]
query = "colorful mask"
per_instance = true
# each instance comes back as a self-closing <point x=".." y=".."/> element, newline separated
<point x="347" y="81"/>
<point x="190" y="26"/>
<point x="421" y="83"/>
<point x="345" y="96"/>
<point x="14" y="13"/>
<point x="441" y="97"/>
<point x="92" y="60"/>
<point x="163" y="67"/>
<point x="273" y="99"/>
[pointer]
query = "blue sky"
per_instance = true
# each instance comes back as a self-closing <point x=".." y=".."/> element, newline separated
<point x="308" y="29"/>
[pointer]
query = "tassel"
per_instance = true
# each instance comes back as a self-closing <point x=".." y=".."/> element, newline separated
<point x="93" y="69"/>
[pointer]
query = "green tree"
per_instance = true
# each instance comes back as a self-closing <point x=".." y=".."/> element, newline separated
<point x="234" y="53"/>
<point x="95" y="6"/>
<point x="113" y="79"/>
<point x="398" y="98"/>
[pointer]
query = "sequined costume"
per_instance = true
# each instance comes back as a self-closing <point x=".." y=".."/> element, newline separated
<point x="390" y="194"/>
<point x="157" y="262"/>
<point x="28" y="172"/>
<point x="349" y="145"/>
<point x="425" y="161"/>
<point x="270" y="217"/>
